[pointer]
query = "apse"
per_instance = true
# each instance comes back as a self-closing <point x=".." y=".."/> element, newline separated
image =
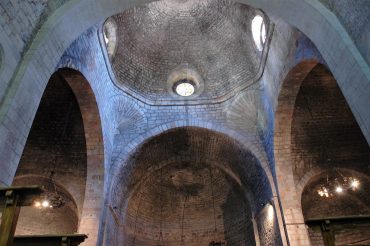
<point x="190" y="186"/>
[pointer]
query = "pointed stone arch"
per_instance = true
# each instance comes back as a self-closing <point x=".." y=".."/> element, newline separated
<point x="94" y="191"/>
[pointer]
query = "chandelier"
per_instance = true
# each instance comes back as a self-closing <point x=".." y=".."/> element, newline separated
<point x="338" y="185"/>
<point x="51" y="198"/>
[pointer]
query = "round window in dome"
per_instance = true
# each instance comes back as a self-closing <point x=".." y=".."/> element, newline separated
<point x="184" y="87"/>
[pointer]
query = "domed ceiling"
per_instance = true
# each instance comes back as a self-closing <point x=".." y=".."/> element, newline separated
<point x="192" y="185"/>
<point x="209" y="42"/>
<point x="191" y="204"/>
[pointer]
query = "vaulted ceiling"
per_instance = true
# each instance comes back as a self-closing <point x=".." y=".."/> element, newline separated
<point x="209" y="42"/>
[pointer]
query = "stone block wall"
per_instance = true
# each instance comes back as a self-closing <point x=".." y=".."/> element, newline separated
<point x="17" y="119"/>
<point x="19" y="23"/>
<point x="354" y="16"/>
<point x="316" y="236"/>
<point x="268" y="229"/>
<point x="353" y="235"/>
<point x="19" y="19"/>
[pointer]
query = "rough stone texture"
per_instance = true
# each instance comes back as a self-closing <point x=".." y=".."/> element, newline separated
<point x="19" y="19"/>
<point x="356" y="19"/>
<point x="288" y="48"/>
<point x="324" y="131"/>
<point x="28" y="82"/>
<point x="354" y="233"/>
<point x="94" y="191"/>
<point x="178" y="200"/>
<point x="84" y="55"/>
<point x="19" y="23"/>
<point x="316" y="236"/>
<point x="327" y="112"/>
<point x="71" y="85"/>
<point x="268" y="229"/>
<point x="185" y="159"/>
<point x="212" y="37"/>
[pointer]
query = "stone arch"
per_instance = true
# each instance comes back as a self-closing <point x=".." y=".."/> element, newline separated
<point x="56" y="147"/>
<point x="307" y="177"/>
<point x="249" y="142"/>
<point x="94" y="192"/>
<point x="127" y="180"/>
<point x="90" y="192"/>
<point x="290" y="203"/>
<point x="77" y="10"/>
<point x="22" y="97"/>
<point x="295" y="135"/>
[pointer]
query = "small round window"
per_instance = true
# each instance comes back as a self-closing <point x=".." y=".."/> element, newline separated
<point x="259" y="31"/>
<point x="184" y="87"/>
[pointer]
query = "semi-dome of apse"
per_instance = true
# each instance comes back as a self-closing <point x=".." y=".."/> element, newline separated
<point x="191" y="184"/>
<point x="219" y="42"/>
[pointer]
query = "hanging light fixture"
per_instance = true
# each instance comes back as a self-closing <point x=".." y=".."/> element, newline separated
<point x="214" y="242"/>
<point x="338" y="185"/>
<point x="51" y="198"/>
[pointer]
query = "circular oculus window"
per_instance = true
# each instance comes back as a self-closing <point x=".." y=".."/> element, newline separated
<point x="184" y="88"/>
<point x="185" y="83"/>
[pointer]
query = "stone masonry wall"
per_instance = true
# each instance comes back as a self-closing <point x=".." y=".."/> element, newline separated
<point x="19" y="23"/>
<point x="354" y="16"/>
<point x="267" y="227"/>
<point x="353" y="233"/>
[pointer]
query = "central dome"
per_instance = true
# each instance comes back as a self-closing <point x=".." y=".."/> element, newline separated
<point x="213" y="37"/>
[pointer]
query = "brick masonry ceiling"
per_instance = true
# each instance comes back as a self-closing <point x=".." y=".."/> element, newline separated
<point x="210" y="38"/>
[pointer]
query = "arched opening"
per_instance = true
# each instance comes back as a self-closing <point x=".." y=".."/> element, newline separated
<point x="66" y="139"/>
<point x="325" y="136"/>
<point x="191" y="186"/>
<point x="315" y="130"/>
<point x="90" y="223"/>
<point x="55" y="158"/>
<point x="324" y="132"/>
